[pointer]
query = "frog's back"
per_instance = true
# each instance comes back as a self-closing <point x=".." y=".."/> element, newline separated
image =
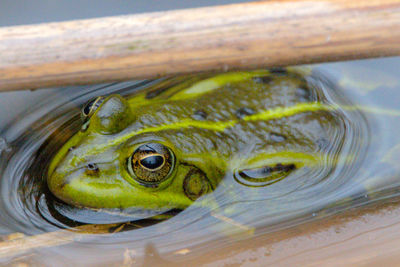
<point x="243" y="111"/>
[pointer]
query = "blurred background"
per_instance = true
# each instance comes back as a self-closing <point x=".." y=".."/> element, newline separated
<point x="18" y="12"/>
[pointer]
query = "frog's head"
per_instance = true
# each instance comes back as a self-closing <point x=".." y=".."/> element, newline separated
<point x="115" y="161"/>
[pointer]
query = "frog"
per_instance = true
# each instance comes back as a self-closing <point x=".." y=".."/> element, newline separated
<point x="166" y="146"/>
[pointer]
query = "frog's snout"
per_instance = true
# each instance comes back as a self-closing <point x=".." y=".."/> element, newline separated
<point x="85" y="184"/>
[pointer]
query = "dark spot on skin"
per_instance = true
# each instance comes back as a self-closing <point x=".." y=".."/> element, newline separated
<point x="303" y="94"/>
<point x="263" y="79"/>
<point x="278" y="71"/>
<point x="200" y="115"/>
<point x="92" y="169"/>
<point x="277" y="138"/>
<point x="242" y="112"/>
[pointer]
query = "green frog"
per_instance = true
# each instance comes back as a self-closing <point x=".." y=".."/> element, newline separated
<point x="168" y="145"/>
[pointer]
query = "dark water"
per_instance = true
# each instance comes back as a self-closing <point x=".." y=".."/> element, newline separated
<point x="365" y="171"/>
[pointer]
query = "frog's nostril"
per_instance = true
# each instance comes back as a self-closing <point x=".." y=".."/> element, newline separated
<point x="92" y="169"/>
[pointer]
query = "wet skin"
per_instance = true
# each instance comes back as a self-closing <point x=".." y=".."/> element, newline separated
<point x="167" y="146"/>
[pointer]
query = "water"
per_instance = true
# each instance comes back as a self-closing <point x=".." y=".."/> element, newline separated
<point x="371" y="146"/>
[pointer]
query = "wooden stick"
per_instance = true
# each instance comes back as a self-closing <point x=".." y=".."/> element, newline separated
<point x="239" y="36"/>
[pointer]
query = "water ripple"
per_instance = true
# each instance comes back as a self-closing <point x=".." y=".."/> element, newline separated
<point x="303" y="195"/>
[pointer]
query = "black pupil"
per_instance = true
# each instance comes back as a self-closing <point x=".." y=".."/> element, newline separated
<point x="152" y="162"/>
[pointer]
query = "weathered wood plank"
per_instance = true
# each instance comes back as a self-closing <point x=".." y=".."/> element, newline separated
<point x="239" y="36"/>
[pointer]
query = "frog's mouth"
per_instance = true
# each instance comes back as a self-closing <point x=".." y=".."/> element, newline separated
<point x="134" y="217"/>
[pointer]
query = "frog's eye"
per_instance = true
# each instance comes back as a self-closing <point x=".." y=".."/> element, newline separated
<point x="151" y="163"/>
<point x="90" y="107"/>
<point x="113" y="115"/>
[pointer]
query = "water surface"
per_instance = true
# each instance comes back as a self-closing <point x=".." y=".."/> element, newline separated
<point x="366" y="171"/>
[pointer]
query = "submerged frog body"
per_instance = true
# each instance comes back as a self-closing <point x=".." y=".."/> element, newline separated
<point x="167" y="146"/>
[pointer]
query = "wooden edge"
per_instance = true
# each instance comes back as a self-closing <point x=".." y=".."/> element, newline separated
<point x="221" y="38"/>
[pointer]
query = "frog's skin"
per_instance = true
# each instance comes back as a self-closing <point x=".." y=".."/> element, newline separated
<point x="266" y="123"/>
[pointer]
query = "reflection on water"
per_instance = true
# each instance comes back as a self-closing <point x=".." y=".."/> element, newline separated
<point x="364" y="171"/>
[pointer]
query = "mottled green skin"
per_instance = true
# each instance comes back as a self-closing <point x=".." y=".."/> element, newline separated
<point x="204" y="123"/>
